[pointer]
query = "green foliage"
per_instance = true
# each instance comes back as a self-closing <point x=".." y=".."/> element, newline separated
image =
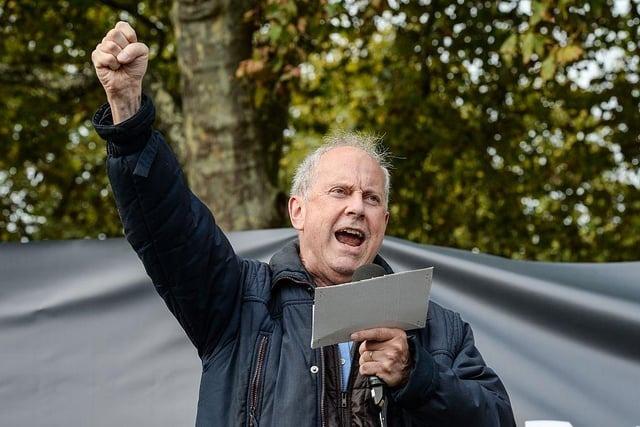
<point x="505" y="142"/>
<point x="52" y="177"/>
<point x="515" y="128"/>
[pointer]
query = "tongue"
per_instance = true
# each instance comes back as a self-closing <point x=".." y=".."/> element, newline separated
<point x="348" y="239"/>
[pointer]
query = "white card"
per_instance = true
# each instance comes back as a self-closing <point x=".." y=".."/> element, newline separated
<point x="394" y="301"/>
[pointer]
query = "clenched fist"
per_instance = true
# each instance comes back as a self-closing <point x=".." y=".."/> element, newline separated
<point x="120" y="62"/>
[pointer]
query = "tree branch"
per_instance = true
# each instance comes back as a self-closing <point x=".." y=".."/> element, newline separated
<point x="26" y="76"/>
<point x="131" y="9"/>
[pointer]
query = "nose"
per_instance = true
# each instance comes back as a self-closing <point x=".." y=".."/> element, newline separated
<point x="355" y="205"/>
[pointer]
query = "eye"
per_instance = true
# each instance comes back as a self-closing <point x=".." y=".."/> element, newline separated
<point x="373" y="199"/>
<point x="338" y="191"/>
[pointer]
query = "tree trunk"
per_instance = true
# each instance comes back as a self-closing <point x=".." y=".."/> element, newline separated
<point x="221" y="153"/>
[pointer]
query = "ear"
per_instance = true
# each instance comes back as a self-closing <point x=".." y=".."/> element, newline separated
<point x="296" y="212"/>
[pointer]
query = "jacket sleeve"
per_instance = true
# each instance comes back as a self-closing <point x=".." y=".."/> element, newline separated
<point x="466" y="394"/>
<point x="189" y="259"/>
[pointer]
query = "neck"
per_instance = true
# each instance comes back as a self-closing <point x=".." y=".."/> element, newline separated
<point x="321" y="280"/>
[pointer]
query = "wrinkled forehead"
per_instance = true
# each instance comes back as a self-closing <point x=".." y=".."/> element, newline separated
<point x="349" y="165"/>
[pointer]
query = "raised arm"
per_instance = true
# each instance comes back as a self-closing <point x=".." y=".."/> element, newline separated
<point x="188" y="258"/>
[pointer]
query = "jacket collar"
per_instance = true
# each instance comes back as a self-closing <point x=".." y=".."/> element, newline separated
<point x="286" y="266"/>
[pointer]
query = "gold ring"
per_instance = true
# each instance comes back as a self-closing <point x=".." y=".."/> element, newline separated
<point x="370" y="356"/>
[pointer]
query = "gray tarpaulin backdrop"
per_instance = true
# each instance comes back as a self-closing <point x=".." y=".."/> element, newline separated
<point x="85" y="341"/>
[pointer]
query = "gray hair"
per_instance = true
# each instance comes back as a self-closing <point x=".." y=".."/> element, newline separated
<point x="369" y="143"/>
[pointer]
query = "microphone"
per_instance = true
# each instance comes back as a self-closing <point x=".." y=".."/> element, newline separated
<point x="367" y="271"/>
<point x="364" y="272"/>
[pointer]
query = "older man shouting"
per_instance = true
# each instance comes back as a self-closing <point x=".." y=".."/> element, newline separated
<point x="251" y="321"/>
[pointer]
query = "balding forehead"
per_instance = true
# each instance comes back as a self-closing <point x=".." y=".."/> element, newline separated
<point x="349" y="165"/>
<point x="347" y="142"/>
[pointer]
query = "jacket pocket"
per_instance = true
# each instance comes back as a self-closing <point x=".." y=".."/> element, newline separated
<point x="256" y="381"/>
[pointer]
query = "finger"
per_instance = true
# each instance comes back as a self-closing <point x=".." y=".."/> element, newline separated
<point x="376" y="334"/>
<point x="374" y="345"/>
<point x="367" y="346"/>
<point x="127" y="31"/>
<point x="132" y="52"/>
<point x="372" y="368"/>
<point x="362" y="347"/>
<point x="116" y="37"/>
<point x="102" y="59"/>
<point x="109" y="47"/>
<point x="367" y="357"/>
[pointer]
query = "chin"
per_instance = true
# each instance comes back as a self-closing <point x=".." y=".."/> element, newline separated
<point x="347" y="268"/>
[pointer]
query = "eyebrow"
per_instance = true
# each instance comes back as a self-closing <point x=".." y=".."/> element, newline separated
<point x="367" y="190"/>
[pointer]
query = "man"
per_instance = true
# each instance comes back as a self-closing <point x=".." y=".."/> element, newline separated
<point x="250" y="321"/>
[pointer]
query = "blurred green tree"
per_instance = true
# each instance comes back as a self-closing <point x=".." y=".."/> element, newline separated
<point x="513" y="122"/>
<point x="52" y="179"/>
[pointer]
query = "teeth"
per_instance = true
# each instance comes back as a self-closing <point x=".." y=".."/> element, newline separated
<point x="357" y="233"/>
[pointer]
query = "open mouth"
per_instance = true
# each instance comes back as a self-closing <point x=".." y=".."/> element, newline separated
<point x="350" y="236"/>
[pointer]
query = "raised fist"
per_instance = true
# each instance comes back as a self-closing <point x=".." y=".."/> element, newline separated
<point x="120" y="62"/>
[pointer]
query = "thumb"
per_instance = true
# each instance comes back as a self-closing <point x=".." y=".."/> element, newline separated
<point x="131" y="52"/>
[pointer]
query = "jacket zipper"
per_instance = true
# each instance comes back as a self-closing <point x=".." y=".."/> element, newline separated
<point x="344" y="404"/>
<point x="256" y="380"/>
<point x="322" y="390"/>
<point x="351" y="379"/>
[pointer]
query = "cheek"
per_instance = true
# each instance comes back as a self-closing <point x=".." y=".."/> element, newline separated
<point x="321" y="229"/>
<point x="380" y="224"/>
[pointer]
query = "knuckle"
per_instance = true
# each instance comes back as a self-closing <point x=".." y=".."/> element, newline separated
<point x="363" y="347"/>
<point x="126" y="26"/>
<point x="118" y="36"/>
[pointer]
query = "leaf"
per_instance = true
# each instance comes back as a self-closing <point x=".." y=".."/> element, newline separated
<point x="537" y="12"/>
<point x="302" y="24"/>
<point x="275" y="31"/>
<point x="249" y="67"/>
<point x="569" y="54"/>
<point x="559" y="116"/>
<point x="259" y="95"/>
<point x="542" y="11"/>
<point x="548" y="70"/>
<point x="290" y="72"/>
<point x="509" y="47"/>
<point x="249" y="15"/>
<point x="538" y="46"/>
<point x="528" y="46"/>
